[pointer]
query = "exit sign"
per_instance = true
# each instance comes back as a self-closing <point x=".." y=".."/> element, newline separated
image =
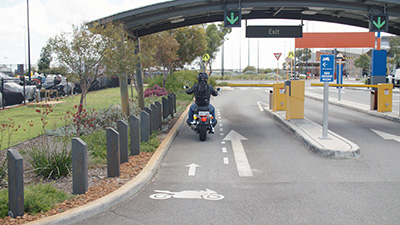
<point x="233" y="18"/>
<point x="378" y="23"/>
<point x="274" y="31"/>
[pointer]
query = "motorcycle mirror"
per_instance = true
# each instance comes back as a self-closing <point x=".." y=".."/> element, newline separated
<point x="218" y="89"/>
<point x="185" y="87"/>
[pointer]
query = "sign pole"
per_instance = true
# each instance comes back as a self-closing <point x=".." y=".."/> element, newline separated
<point x="291" y="68"/>
<point x="277" y="71"/>
<point x="287" y="69"/>
<point x="326" y="111"/>
<point x="340" y="80"/>
<point x="326" y="75"/>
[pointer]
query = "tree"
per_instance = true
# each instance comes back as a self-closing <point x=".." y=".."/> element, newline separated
<point x="192" y="44"/>
<point x="82" y="52"/>
<point x="303" y="55"/>
<point x="119" y="58"/>
<point x="45" y="59"/>
<point x="215" y="36"/>
<point x="394" y="44"/>
<point x="363" y="62"/>
<point x="167" y="52"/>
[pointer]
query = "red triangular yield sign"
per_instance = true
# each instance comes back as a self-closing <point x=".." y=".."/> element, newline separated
<point x="277" y="55"/>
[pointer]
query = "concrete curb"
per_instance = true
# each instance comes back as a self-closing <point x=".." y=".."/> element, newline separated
<point x="131" y="188"/>
<point x="349" y="149"/>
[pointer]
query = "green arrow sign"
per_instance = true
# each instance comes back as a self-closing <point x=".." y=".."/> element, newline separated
<point x="233" y="19"/>
<point x="379" y="24"/>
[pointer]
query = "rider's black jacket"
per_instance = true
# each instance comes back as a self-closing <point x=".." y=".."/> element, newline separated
<point x="202" y="93"/>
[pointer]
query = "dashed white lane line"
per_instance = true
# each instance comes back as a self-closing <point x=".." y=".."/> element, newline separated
<point x="224" y="150"/>
<point x="223" y="142"/>
<point x="226" y="160"/>
<point x="221" y="129"/>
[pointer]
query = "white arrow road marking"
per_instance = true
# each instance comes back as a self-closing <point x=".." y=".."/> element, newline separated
<point x="260" y="106"/>
<point x="242" y="163"/>
<point x="192" y="169"/>
<point x="387" y="136"/>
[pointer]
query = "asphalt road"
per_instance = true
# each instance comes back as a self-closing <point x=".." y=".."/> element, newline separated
<point x="359" y="95"/>
<point x="286" y="183"/>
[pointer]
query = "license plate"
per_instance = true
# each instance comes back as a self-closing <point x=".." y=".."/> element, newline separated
<point x="204" y="113"/>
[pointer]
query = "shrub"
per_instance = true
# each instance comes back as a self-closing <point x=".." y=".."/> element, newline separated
<point x="42" y="198"/>
<point x="155" y="91"/>
<point x="249" y="68"/>
<point x="50" y="159"/>
<point x="3" y="203"/>
<point x="37" y="198"/>
<point x="151" y="145"/>
<point x="97" y="146"/>
<point x="176" y="80"/>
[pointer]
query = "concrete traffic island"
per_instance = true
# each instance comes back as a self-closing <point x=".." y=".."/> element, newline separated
<point x="310" y="133"/>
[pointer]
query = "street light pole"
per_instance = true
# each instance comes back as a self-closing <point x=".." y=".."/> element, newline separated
<point x="29" y="42"/>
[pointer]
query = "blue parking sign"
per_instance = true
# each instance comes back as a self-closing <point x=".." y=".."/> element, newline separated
<point x="327" y="68"/>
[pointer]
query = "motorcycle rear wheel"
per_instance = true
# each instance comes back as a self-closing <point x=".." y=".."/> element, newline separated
<point x="203" y="132"/>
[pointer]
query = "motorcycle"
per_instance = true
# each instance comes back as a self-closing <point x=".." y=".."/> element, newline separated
<point x="202" y="120"/>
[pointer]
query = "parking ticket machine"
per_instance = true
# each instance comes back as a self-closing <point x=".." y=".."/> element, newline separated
<point x="295" y="93"/>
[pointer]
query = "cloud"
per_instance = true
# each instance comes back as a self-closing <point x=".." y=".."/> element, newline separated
<point x="47" y="19"/>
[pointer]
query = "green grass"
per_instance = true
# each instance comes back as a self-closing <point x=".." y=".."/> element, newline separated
<point x="97" y="146"/>
<point x="22" y="116"/>
<point x="151" y="145"/>
<point x="37" y="198"/>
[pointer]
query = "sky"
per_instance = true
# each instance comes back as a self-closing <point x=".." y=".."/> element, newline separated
<point x="48" y="18"/>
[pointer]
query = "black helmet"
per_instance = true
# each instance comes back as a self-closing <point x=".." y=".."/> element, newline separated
<point x="202" y="77"/>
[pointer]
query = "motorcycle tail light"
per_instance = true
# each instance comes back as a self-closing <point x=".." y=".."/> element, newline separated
<point x="204" y="119"/>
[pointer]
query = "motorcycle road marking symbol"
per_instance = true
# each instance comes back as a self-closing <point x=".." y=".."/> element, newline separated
<point x="207" y="195"/>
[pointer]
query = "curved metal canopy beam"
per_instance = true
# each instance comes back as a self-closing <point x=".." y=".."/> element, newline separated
<point x="173" y="14"/>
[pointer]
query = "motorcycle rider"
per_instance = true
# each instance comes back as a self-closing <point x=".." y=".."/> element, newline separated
<point x="202" y="92"/>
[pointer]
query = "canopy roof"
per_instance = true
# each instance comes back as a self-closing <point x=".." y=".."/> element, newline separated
<point x="179" y="13"/>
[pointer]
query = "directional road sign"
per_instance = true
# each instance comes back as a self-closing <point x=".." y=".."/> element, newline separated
<point x="291" y="55"/>
<point x="327" y="68"/>
<point x="378" y="23"/>
<point x="233" y="18"/>
<point x="206" y="57"/>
